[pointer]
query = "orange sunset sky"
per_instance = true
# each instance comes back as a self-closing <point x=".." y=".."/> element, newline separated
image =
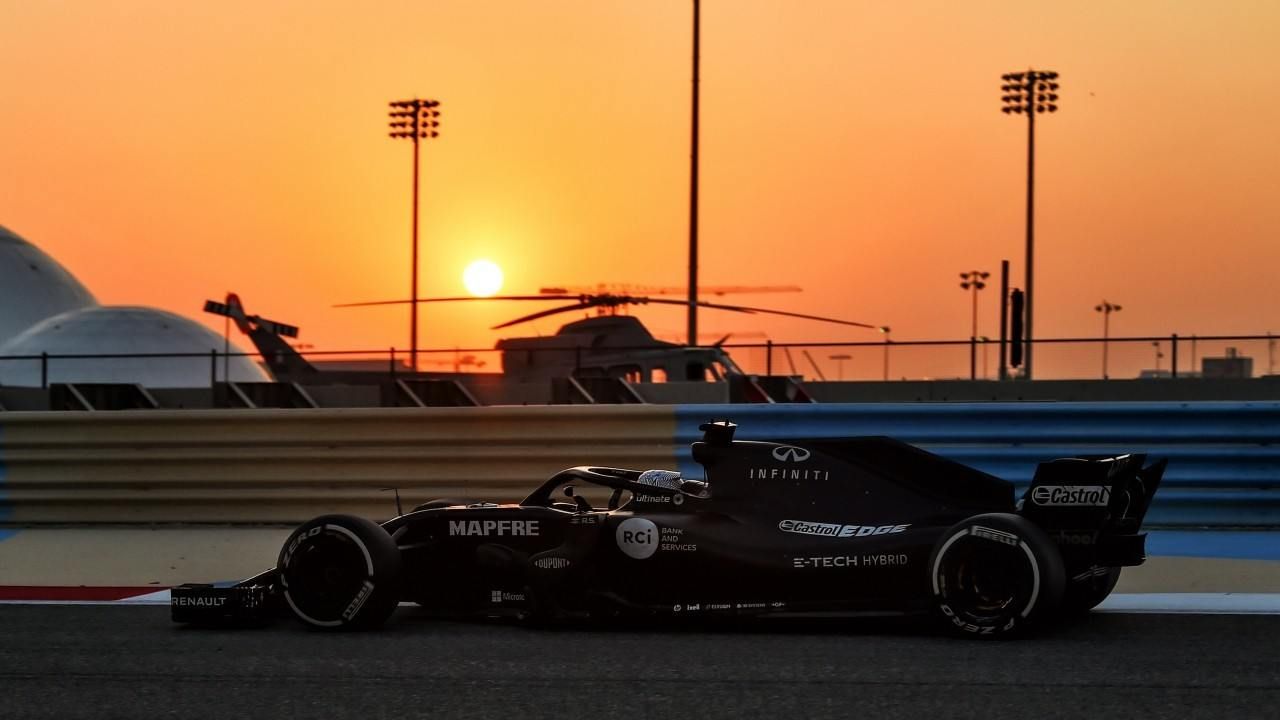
<point x="167" y="152"/>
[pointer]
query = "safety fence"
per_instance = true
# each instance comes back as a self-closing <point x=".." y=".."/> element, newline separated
<point x="283" y="466"/>
<point x="1224" y="458"/>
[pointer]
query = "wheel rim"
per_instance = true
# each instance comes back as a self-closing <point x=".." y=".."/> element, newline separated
<point x="983" y="582"/>
<point x="326" y="575"/>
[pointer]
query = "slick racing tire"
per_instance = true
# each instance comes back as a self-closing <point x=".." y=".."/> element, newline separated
<point x="995" y="575"/>
<point x="340" y="572"/>
<point x="1087" y="590"/>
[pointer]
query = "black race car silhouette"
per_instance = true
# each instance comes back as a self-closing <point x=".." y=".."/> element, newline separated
<point x="857" y="525"/>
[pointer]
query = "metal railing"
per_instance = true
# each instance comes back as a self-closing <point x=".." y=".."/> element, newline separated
<point x="1156" y="356"/>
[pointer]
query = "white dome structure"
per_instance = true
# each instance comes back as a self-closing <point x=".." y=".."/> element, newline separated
<point x="33" y="286"/>
<point x="126" y="331"/>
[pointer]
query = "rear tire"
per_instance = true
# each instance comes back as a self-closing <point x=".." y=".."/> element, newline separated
<point x="995" y="575"/>
<point x="340" y="572"/>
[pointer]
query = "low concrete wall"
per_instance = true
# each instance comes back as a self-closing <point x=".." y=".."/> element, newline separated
<point x="286" y="466"/>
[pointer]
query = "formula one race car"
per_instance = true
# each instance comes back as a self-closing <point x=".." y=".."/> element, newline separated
<point x="858" y="525"/>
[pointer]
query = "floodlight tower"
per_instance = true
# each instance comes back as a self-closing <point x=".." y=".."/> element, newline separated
<point x="1030" y="93"/>
<point x="973" y="280"/>
<point x="693" y="179"/>
<point x="417" y="120"/>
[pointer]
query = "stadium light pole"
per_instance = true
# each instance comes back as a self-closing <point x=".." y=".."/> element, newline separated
<point x="693" y="182"/>
<point x="1030" y="93"/>
<point x="416" y="120"/>
<point x="1106" y="309"/>
<point x="973" y="280"/>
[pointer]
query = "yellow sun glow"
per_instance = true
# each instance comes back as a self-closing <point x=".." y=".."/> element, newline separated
<point x="482" y="278"/>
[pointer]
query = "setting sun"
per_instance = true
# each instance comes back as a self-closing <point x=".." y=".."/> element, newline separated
<point x="482" y="278"/>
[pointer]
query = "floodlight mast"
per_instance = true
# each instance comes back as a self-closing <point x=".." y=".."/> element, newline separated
<point x="974" y="280"/>
<point x="1031" y="93"/>
<point x="693" y="180"/>
<point x="416" y="120"/>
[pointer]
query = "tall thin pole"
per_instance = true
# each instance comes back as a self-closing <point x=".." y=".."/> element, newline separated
<point x="693" y="182"/>
<point x="413" y="284"/>
<point x="1031" y="92"/>
<point x="1106" y="308"/>
<point x="1031" y="243"/>
<point x="973" y="338"/>
<point x="974" y="280"/>
<point x="414" y="119"/>
<point x="1004" y="318"/>
<point x="1106" y="332"/>
<point x="887" y="340"/>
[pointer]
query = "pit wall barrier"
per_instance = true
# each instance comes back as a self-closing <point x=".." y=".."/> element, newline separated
<point x="1224" y="457"/>
<point x="285" y="466"/>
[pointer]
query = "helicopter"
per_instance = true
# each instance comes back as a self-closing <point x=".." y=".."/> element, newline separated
<point x="614" y="345"/>
<point x="608" y="346"/>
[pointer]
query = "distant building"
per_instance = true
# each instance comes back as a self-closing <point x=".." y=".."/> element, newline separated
<point x="45" y="310"/>
<point x="1234" y="365"/>
<point x="33" y="286"/>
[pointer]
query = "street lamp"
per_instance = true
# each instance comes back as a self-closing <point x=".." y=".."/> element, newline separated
<point x="416" y="120"/>
<point x="887" y="341"/>
<point x="1106" y="309"/>
<point x="1030" y="93"/>
<point x="840" y="358"/>
<point x="973" y="280"/>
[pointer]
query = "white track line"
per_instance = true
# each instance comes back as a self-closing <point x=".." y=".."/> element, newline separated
<point x="1193" y="603"/>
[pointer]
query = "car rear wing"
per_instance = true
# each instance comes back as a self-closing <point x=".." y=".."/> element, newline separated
<point x="1093" y="507"/>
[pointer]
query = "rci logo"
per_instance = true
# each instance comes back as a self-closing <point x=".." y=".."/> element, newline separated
<point x="637" y="537"/>
<point x="790" y="453"/>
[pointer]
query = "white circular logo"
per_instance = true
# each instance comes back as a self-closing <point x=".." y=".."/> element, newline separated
<point x="637" y="537"/>
<point x="677" y="500"/>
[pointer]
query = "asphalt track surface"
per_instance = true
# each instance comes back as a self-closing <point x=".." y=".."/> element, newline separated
<point x="60" y="661"/>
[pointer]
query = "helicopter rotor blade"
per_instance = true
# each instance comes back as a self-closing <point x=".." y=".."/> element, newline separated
<point x="745" y="309"/>
<point x="544" y="313"/>
<point x="819" y="318"/>
<point x="585" y="301"/>
<point x="590" y="301"/>
<point x="650" y="290"/>
<point x="560" y="298"/>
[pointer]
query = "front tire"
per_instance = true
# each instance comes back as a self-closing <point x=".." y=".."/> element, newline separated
<point x="340" y="572"/>
<point x="995" y="575"/>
